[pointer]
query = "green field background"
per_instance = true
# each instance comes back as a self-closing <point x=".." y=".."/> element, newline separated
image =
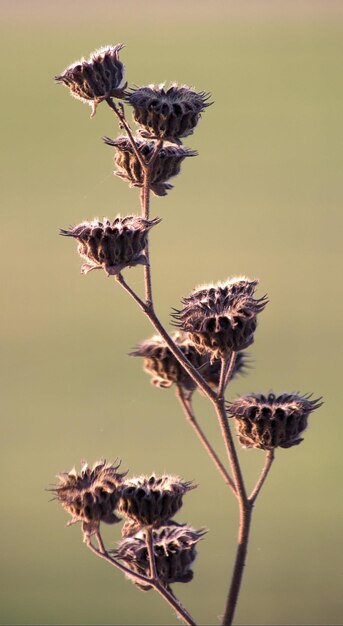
<point x="264" y="199"/>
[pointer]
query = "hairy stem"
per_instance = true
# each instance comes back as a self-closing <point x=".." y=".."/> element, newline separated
<point x="167" y="595"/>
<point x="237" y="574"/>
<point x="151" y="554"/>
<point x="230" y="368"/>
<point x="265" y="471"/>
<point x="124" y="124"/>
<point x="186" y="364"/>
<point x="188" y="410"/>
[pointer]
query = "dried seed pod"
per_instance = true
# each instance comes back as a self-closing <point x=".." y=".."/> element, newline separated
<point x="167" y="113"/>
<point x="221" y="318"/>
<point x="112" y="246"/>
<point x="152" y="500"/>
<point x="166" y="370"/>
<point x="92" y="495"/>
<point x="166" y="165"/>
<point x="268" y="422"/>
<point x="174" y="548"/>
<point x="98" y="78"/>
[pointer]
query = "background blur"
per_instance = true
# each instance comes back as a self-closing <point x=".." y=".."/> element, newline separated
<point x="263" y="198"/>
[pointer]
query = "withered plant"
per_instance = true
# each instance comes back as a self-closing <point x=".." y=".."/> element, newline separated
<point x="216" y="323"/>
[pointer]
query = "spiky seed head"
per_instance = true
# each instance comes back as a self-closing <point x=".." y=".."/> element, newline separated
<point x="91" y="495"/>
<point x="166" y="165"/>
<point x="270" y="421"/>
<point x="166" y="370"/>
<point x="151" y="500"/>
<point x="221" y="318"/>
<point x="112" y="246"/>
<point x="97" y="79"/>
<point x="167" y="113"/>
<point x="174" y="548"/>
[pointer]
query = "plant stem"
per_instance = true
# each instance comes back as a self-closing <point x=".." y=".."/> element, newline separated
<point x="243" y="539"/>
<point x="124" y="123"/>
<point x="169" y="597"/>
<point x="219" y="405"/>
<point x="193" y="373"/>
<point x="230" y="369"/>
<point x="188" y="410"/>
<point x="151" y="554"/>
<point x="265" y="471"/>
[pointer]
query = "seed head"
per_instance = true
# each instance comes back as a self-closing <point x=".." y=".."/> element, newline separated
<point x="174" y="548"/>
<point x="92" y="495"/>
<point x="166" y="370"/>
<point x="166" y="165"/>
<point x="151" y="501"/>
<point x="221" y="318"/>
<point x="167" y="113"/>
<point x="268" y="422"/>
<point x="97" y="79"/>
<point x="112" y="246"/>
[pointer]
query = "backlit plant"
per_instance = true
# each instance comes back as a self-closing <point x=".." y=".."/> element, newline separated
<point x="216" y="324"/>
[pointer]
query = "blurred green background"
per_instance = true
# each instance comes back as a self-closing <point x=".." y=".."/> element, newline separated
<point x="263" y="198"/>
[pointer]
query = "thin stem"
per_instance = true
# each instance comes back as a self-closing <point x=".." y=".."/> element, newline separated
<point x="145" y="207"/>
<point x="188" y="410"/>
<point x="169" y="597"/>
<point x="186" y="364"/>
<point x="231" y="451"/>
<point x="151" y="554"/>
<point x="222" y="378"/>
<point x="230" y="369"/>
<point x="123" y="121"/>
<point x="242" y="547"/>
<point x="104" y="555"/>
<point x="121" y="280"/>
<point x="265" y="471"/>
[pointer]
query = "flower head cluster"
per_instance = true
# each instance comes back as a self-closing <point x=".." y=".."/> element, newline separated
<point x="166" y="370"/>
<point x="268" y="422"/>
<point x="168" y="114"/>
<point x="152" y="500"/>
<point x="112" y="246"/>
<point x="174" y="549"/>
<point x="221" y="318"/>
<point x="97" y="79"/>
<point x="91" y="496"/>
<point x="166" y="165"/>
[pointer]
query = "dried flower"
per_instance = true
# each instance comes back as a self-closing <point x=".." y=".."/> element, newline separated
<point x="166" y="165"/>
<point x="221" y="318"/>
<point x="167" y="113"/>
<point x="268" y="422"/>
<point x="166" y="370"/>
<point x="174" y="548"/>
<point x="92" y="495"/>
<point x="97" y="79"/>
<point x="152" y="500"/>
<point x="112" y="246"/>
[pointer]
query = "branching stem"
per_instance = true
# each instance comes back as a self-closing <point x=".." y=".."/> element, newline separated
<point x="188" y="410"/>
<point x="153" y="582"/>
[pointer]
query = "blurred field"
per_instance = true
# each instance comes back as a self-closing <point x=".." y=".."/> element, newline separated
<point x="263" y="198"/>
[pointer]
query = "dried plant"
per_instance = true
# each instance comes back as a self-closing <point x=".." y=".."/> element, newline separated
<point x="216" y="325"/>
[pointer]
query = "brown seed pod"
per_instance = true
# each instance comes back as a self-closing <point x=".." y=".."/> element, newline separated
<point x="174" y="548"/>
<point x="221" y="318"/>
<point x="166" y="370"/>
<point x="152" y="500"/>
<point x="168" y="114"/>
<point x="91" y="496"/>
<point x="166" y="165"/>
<point x="268" y="422"/>
<point x="98" y="78"/>
<point x="112" y="246"/>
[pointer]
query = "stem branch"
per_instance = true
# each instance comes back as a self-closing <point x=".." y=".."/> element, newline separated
<point x="188" y="410"/>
